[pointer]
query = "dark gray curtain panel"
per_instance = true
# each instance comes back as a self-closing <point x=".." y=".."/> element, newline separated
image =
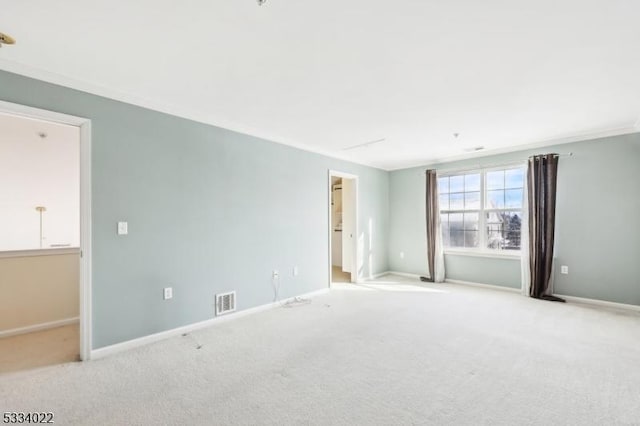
<point x="542" y="175"/>
<point x="432" y="221"/>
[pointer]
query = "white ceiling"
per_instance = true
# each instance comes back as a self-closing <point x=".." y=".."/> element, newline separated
<point x="325" y="75"/>
<point x="15" y="130"/>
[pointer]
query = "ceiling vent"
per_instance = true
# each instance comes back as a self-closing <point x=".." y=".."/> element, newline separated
<point x="225" y="303"/>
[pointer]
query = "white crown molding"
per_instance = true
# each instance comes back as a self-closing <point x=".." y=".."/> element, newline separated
<point x="578" y="137"/>
<point x="83" y="86"/>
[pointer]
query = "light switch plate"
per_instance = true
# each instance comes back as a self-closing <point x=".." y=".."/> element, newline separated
<point x="564" y="269"/>
<point x="123" y="228"/>
<point x="168" y="293"/>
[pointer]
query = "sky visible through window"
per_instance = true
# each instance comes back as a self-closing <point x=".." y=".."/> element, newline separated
<point x="468" y="222"/>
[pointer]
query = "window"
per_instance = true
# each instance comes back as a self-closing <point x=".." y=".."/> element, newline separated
<point x="482" y="209"/>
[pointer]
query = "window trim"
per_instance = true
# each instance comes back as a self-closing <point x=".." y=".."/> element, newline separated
<point x="482" y="250"/>
<point x="476" y="252"/>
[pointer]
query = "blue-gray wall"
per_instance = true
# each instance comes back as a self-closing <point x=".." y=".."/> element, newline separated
<point x="597" y="222"/>
<point x="209" y="210"/>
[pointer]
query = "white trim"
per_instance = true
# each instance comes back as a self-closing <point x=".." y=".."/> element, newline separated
<point x="145" y="340"/>
<point x="38" y="327"/>
<point x="355" y="267"/>
<point x="176" y="111"/>
<point x="39" y="252"/>
<point x="454" y="171"/>
<point x="198" y="116"/>
<point x="574" y="299"/>
<point x="601" y="303"/>
<point x="481" y="253"/>
<point x="487" y="286"/>
<point x="403" y="274"/>
<point x="84" y="125"/>
<point x="40" y="114"/>
<point x="86" y="256"/>
<point x="378" y="275"/>
<point x="482" y="250"/>
<point x="578" y="137"/>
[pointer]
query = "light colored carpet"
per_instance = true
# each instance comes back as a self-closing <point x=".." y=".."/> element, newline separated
<point x="47" y="347"/>
<point x="390" y="352"/>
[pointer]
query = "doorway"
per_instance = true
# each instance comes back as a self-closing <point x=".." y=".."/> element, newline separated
<point x="45" y="253"/>
<point x="343" y="227"/>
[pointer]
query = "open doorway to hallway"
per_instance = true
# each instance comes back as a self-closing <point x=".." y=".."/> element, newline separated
<point x="343" y="227"/>
<point x="39" y="242"/>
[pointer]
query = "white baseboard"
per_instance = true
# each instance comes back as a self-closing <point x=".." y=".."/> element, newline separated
<point x="574" y="299"/>
<point x="371" y="277"/>
<point x="489" y="286"/>
<point x="145" y="340"/>
<point x="38" y="327"/>
<point x="378" y="275"/>
<point x="603" y="303"/>
<point x="403" y="274"/>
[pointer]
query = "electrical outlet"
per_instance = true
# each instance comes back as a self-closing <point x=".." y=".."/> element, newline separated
<point x="275" y="274"/>
<point x="401" y="255"/>
<point x="295" y="271"/>
<point x="564" y="269"/>
<point x="123" y="228"/>
<point x="168" y="293"/>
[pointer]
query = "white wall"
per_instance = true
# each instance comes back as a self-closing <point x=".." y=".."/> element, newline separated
<point x="37" y="171"/>
<point x="38" y="289"/>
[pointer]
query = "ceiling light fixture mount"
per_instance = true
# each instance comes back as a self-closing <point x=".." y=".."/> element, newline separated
<point x="261" y="2"/>
<point x="6" y="39"/>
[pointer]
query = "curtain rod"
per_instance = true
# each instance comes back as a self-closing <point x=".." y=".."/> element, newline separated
<point x="488" y="166"/>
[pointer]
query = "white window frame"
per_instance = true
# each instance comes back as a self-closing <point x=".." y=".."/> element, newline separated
<point x="482" y="250"/>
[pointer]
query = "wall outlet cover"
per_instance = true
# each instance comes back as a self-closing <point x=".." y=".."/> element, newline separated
<point x="168" y="293"/>
<point x="123" y="228"/>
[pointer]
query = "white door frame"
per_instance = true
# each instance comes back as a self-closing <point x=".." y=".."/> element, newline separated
<point x="355" y="266"/>
<point x="84" y="125"/>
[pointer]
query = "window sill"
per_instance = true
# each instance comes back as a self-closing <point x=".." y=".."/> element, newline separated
<point x="478" y="253"/>
<point x="39" y="252"/>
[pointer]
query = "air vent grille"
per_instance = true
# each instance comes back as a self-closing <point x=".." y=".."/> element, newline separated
<point x="225" y="303"/>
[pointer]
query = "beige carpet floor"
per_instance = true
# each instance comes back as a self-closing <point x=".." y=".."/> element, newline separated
<point x="389" y="352"/>
<point x="48" y="347"/>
